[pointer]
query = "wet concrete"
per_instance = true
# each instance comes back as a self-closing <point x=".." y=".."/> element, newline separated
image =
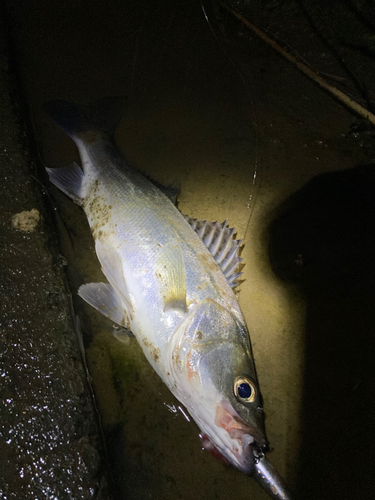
<point x="240" y="131"/>
<point x="50" y="441"/>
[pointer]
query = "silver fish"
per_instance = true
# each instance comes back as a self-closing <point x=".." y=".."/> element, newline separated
<point x="170" y="282"/>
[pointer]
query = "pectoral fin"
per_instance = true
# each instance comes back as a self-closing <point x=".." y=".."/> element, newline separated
<point x="171" y="274"/>
<point x="103" y="297"/>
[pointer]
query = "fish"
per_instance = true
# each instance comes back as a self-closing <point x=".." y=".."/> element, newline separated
<point x="171" y="282"/>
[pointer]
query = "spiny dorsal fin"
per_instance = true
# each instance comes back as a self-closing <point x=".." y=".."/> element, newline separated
<point x="219" y="240"/>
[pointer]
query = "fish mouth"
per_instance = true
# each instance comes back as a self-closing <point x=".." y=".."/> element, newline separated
<point x="240" y="441"/>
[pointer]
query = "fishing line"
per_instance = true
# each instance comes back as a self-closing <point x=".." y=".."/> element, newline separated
<point x="256" y="167"/>
<point x="135" y="57"/>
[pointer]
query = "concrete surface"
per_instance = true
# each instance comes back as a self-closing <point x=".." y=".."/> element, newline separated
<point x="50" y="441"/>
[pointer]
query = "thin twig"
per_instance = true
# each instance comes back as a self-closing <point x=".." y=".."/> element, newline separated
<point x="353" y="105"/>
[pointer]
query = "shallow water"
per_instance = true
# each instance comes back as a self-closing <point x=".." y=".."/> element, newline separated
<point x="240" y="131"/>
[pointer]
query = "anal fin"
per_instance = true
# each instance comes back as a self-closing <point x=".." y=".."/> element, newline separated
<point x="111" y="263"/>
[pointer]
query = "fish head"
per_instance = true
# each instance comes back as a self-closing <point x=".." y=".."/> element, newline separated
<point x="212" y="373"/>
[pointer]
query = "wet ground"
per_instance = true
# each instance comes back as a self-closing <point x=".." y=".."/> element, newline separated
<point x="50" y="441"/>
<point x="246" y="137"/>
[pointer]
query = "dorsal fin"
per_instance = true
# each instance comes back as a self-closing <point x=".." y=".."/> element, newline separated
<point x="219" y="240"/>
<point x="170" y="191"/>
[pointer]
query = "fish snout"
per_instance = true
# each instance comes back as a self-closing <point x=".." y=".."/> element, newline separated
<point x="244" y="439"/>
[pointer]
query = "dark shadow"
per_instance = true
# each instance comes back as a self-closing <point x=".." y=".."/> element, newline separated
<point x="324" y="241"/>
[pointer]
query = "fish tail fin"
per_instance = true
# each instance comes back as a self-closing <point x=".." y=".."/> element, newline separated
<point x="103" y="115"/>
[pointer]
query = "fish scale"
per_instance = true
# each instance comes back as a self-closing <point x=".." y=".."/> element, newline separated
<point x="134" y="223"/>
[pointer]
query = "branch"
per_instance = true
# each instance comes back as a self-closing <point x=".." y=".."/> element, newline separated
<point x="353" y="105"/>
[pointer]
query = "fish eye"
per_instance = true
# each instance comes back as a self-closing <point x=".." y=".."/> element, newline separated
<point x="244" y="389"/>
